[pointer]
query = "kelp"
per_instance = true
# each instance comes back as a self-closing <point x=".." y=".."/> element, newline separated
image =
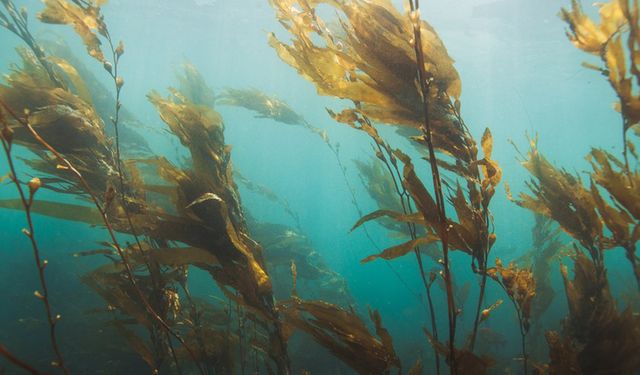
<point x="264" y="105"/>
<point x="583" y="212"/>
<point x="618" y="20"/>
<point x="192" y="85"/>
<point x="67" y="122"/>
<point x="283" y="246"/>
<point x="365" y="57"/>
<point x="84" y="16"/>
<point x="466" y="362"/>
<point x="104" y="102"/>
<point x="344" y="334"/>
<point x="596" y="336"/>
<point x="561" y="196"/>
<point x="269" y="195"/>
<point x="520" y="286"/>
<point x="547" y="248"/>
<point x="27" y="196"/>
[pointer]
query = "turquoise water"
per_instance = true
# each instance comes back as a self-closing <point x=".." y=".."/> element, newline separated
<point x="520" y="75"/>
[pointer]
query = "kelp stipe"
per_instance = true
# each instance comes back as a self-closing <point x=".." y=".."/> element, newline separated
<point x="17" y="361"/>
<point x="89" y="24"/>
<point x="27" y="200"/>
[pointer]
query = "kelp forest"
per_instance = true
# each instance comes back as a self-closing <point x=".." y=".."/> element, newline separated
<point x="381" y="227"/>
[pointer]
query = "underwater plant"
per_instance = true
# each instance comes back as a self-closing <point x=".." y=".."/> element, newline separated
<point x="27" y="200"/>
<point x="368" y="58"/>
<point x="270" y="302"/>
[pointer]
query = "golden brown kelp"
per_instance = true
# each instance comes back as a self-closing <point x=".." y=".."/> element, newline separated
<point x="261" y="103"/>
<point x="622" y="215"/>
<point x="267" y="106"/>
<point x="192" y="85"/>
<point x="344" y="334"/>
<point x="6" y="137"/>
<point x="520" y="286"/>
<point x="367" y="57"/>
<point x="68" y="123"/>
<point x="210" y="211"/>
<point x="134" y="144"/>
<point x="466" y="363"/>
<point x="16" y="21"/>
<point x="283" y="245"/>
<point x="546" y="249"/>
<point x="597" y="338"/>
<point x="561" y="196"/>
<point x="619" y="19"/>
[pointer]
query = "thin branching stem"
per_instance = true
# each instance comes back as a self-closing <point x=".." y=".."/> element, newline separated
<point x="65" y="164"/>
<point x="437" y="183"/>
<point x="17" y="361"/>
<point x="41" y="264"/>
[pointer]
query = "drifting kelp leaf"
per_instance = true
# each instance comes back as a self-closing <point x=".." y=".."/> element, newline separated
<point x="264" y="105"/>
<point x="381" y="188"/>
<point x="344" y="334"/>
<point x="466" y="362"/>
<point x="85" y="20"/>
<point x="74" y="77"/>
<point x="108" y="281"/>
<point x="415" y="218"/>
<point x="193" y="86"/>
<point x="181" y="256"/>
<point x="136" y="343"/>
<point x="402" y="249"/>
<point x="64" y="211"/>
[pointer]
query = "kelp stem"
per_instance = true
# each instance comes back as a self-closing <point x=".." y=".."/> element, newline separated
<point x="406" y="208"/>
<point x="40" y="263"/>
<point x="17" y="361"/>
<point x="476" y="323"/>
<point x="437" y="184"/>
<point x="129" y="271"/>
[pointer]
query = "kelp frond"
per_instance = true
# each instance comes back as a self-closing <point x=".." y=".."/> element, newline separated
<point x="344" y="334"/>
<point x="597" y="337"/>
<point x="264" y="105"/>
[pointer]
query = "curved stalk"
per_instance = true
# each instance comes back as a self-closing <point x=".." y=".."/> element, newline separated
<point x="17" y="361"/>
<point x="437" y="184"/>
<point x="103" y="214"/>
<point x="31" y="234"/>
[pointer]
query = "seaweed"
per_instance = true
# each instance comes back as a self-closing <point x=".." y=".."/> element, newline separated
<point x="26" y="200"/>
<point x="396" y="70"/>
<point x="344" y="334"/>
<point x="520" y="286"/>
<point x="596" y="336"/>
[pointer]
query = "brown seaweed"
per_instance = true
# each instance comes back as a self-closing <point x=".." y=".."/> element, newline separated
<point x="596" y="336"/>
<point x="344" y="334"/>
